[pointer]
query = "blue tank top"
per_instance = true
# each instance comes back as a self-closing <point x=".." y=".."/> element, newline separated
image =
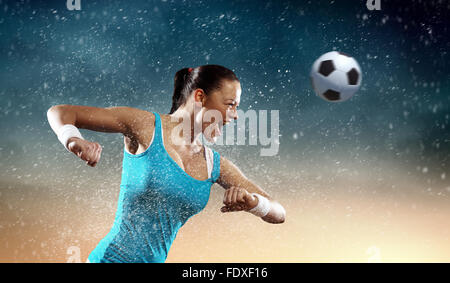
<point x="156" y="198"/>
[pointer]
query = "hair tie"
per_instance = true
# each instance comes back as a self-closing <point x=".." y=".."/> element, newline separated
<point x="190" y="70"/>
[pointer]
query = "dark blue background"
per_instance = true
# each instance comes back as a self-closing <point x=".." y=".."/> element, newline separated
<point x="126" y="53"/>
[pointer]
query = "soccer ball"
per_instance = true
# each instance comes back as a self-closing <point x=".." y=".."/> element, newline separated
<point x="335" y="76"/>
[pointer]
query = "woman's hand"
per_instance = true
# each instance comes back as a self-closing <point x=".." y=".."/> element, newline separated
<point x="238" y="199"/>
<point x="86" y="150"/>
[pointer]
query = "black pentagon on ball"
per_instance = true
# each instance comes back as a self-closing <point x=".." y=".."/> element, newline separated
<point x="352" y="77"/>
<point x="326" y="67"/>
<point x="332" y="95"/>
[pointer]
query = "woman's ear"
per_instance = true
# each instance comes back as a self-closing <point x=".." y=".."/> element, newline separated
<point x="200" y="96"/>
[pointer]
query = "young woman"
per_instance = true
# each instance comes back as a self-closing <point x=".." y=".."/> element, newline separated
<point x="166" y="175"/>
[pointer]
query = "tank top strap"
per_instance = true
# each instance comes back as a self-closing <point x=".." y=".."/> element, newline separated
<point x="216" y="166"/>
<point x="209" y="160"/>
<point x="158" y="135"/>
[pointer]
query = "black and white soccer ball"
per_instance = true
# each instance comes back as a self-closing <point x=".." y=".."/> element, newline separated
<point x="335" y="76"/>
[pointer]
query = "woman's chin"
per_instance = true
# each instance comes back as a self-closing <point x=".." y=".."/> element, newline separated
<point x="213" y="135"/>
<point x="211" y="138"/>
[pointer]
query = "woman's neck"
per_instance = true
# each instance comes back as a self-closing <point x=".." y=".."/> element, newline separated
<point x="181" y="122"/>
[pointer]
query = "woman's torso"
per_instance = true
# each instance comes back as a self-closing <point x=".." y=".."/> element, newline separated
<point x="156" y="198"/>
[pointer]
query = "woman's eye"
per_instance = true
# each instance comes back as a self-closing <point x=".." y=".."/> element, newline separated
<point x="232" y="105"/>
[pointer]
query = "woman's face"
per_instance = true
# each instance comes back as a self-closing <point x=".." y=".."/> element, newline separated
<point x="225" y="101"/>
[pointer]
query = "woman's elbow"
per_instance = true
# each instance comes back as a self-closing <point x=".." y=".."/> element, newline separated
<point x="55" y="109"/>
<point x="282" y="216"/>
<point x="281" y="213"/>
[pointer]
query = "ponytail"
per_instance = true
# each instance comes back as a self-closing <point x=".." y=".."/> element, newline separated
<point x="181" y="78"/>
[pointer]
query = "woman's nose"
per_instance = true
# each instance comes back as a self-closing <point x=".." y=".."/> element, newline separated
<point x="233" y="114"/>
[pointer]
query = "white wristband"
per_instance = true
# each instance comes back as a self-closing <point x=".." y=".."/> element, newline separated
<point x="66" y="132"/>
<point x="263" y="206"/>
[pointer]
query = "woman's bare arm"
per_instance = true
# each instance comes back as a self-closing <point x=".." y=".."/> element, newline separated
<point x="126" y="120"/>
<point x="233" y="180"/>
<point x="110" y="120"/>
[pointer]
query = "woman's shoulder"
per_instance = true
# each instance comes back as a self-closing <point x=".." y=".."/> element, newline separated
<point x="141" y="132"/>
<point x="142" y="119"/>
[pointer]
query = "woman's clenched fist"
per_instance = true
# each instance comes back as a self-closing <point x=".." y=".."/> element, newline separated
<point x="238" y="199"/>
<point x="86" y="150"/>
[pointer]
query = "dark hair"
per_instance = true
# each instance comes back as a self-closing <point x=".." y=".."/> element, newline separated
<point x="206" y="77"/>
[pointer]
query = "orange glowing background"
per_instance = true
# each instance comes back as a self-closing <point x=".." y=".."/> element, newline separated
<point x="355" y="214"/>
